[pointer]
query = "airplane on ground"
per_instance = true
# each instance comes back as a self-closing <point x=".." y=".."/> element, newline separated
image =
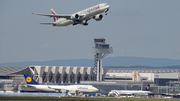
<point x="78" y="17"/>
<point x="130" y="92"/>
<point x="59" y="88"/>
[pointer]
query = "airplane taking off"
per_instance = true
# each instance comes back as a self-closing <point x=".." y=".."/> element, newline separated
<point x="121" y="92"/>
<point x="59" y="88"/>
<point x="78" y="17"/>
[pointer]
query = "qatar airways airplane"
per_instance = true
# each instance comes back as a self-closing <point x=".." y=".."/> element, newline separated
<point x="59" y="88"/>
<point x="78" y="17"/>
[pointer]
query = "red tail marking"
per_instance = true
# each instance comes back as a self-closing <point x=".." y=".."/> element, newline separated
<point x="55" y="18"/>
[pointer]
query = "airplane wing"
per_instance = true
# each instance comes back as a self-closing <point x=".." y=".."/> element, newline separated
<point x="33" y="86"/>
<point x="52" y="15"/>
<point x="47" y="23"/>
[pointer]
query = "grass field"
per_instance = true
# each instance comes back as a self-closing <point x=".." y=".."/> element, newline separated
<point x="32" y="98"/>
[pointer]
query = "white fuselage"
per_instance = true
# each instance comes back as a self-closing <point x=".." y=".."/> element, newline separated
<point x="132" y="91"/>
<point x="119" y="92"/>
<point x="42" y="88"/>
<point x="54" y="88"/>
<point x="63" y="22"/>
<point x="87" y="14"/>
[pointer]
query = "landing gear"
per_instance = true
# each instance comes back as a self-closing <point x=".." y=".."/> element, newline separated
<point x="85" y="24"/>
<point x="75" y="24"/>
<point x="106" y="11"/>
<point x="80" y="22"/>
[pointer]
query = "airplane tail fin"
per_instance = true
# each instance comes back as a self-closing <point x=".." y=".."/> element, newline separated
<point x="30" y="80"/>
<point x="54" y="13"/>
<point x="147" y="87"/>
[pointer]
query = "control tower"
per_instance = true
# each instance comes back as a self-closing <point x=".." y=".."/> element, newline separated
<point x="101" y="50"/>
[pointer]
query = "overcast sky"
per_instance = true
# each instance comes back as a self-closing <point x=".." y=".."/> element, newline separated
<point x="141" y="28"/>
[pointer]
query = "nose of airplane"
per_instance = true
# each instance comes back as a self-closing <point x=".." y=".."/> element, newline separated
<point x="107" y="5"/>
<point x="95" y="89"/>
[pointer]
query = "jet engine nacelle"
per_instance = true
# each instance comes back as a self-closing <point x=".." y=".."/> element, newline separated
<point x="57" y="91"/>
<point x="98" y="17"/>
<point x="75" y="17"/>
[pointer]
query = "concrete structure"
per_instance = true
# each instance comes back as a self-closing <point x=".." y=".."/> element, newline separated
<point x="101" y="49"/>
<point x="62" y="74"/>
<point x="12" y="78"/>
<point x="158" y="76"/>
<point x="13" y="74"/>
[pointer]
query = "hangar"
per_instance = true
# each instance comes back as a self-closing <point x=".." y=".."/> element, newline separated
<point x="62" y="74"/>
<point x="49" y="74"/>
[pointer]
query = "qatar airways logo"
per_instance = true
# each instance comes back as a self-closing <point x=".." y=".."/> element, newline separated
<point x="93" y="8"/>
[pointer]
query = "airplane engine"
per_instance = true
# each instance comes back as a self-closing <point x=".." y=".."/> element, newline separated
<point x="75" y="17"/>
<point x="57" y="91"/>
<point x="98" y="17"/>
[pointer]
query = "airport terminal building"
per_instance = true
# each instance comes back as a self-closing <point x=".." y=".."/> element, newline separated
<point x="157" y="76"/>
<point x="63" y="74"/>
<point x="161" y="80"/>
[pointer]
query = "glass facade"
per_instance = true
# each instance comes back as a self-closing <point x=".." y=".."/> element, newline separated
<point x="102" y="46"/>
<point x="169" y="89"/>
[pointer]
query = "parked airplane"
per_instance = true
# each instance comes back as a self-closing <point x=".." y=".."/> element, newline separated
<point x="78" y="17"/>
<point x="59" y="88"/>
<point x="126" y="92"/>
